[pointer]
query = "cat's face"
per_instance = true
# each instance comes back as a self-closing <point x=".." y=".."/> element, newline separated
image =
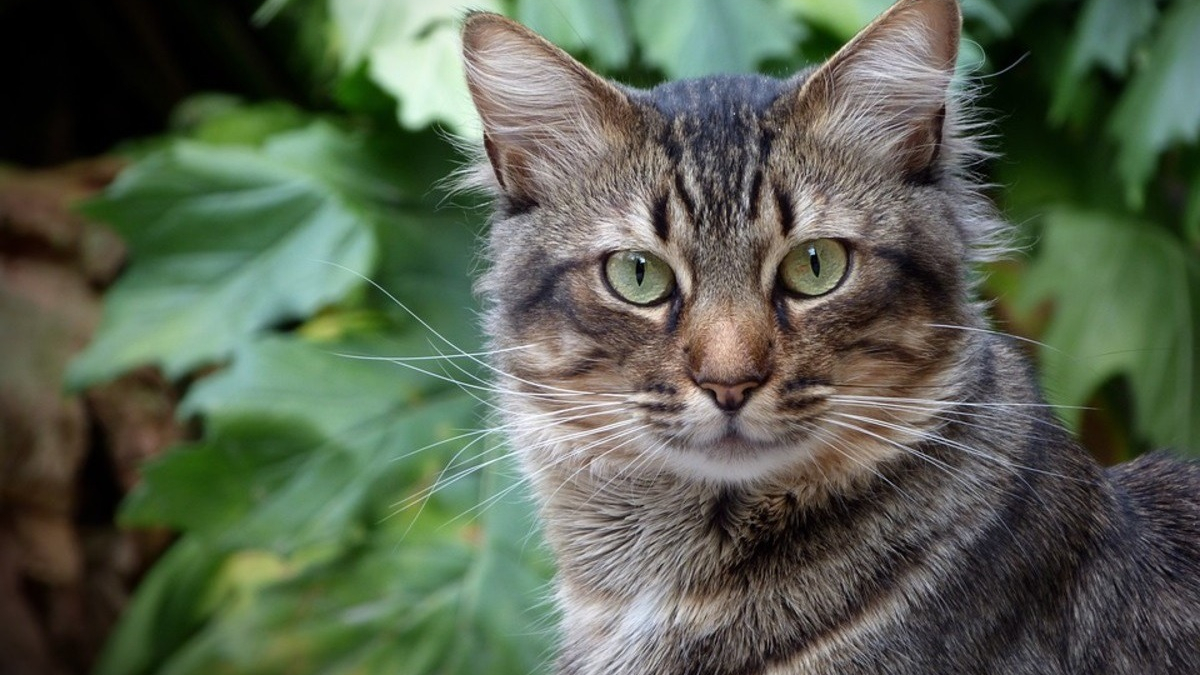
<point x="730" y="278"/>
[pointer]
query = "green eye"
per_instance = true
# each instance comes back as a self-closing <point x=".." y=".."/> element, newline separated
<point x="814" y="267"/>
<point x="639" y="277"/>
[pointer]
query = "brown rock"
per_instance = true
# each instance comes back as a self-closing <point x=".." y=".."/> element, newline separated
<point x="65" y="459"/>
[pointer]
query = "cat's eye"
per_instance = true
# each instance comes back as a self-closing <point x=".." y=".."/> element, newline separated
<point x="814" y="267"/>
<point x="639" y="277"/>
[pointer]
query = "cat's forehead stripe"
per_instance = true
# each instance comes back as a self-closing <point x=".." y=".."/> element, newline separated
<point x="786" y="210"/>
<point x="717" y="145"/>
<point x="660" y="218"/>
<point x="685" y="197"/>
<point x="755" y="193"/>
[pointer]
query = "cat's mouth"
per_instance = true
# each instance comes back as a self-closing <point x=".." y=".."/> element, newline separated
<point x="732" y="434"/>
<point x="751" y="443"/>
<point x="735" y="457"/>
<point x="734" y="437"/>
<point x="736" y="453"/>
<point x="736" y="442"/>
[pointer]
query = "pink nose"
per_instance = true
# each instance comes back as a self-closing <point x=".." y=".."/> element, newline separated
<point x="730" y="397"/>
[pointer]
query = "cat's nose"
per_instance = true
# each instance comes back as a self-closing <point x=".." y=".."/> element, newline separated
<point x="730" y="397"/>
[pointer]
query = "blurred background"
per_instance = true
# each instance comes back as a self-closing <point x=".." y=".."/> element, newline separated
<point x="216" y="215"/>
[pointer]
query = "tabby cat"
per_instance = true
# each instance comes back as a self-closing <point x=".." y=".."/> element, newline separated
<point x="747" y="375"/>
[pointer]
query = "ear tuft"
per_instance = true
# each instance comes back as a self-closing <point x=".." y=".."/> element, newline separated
<point x="543" y="112"/>
<point x="887" y="91"/>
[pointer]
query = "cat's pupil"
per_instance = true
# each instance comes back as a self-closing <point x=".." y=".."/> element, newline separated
<point x="639" y="270"/>
<point x="814" y="261"/>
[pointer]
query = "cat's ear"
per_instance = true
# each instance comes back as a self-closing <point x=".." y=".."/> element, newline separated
<point x="544" y="114"/>
<point x="887" y="91"/>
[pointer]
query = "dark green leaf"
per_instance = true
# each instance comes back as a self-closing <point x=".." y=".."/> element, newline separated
<point x="381" y="420"/>
<point x="208" y="486"/>
<point x="220" y="119"/>
<point x="1191" y="215"/>
<point x="1106" y="35"/>
<point x="1161" y="106"/>
<point x="357" y="402"/>
<point x="986" y="13"/>
<point x="172" y="604"/>
<point x="348" y="165"/>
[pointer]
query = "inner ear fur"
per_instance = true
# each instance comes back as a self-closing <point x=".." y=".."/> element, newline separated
<point x="886" y="91"/>
<point x="543" y="112"/>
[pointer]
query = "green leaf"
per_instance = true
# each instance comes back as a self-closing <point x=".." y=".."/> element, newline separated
<point x="348" y="165"/>
<point x="428" y="269"/>
<point x="446" y="596"/>
<point x="206" y="487"/>
<point x="370" y="169"/>
<point x="599" y="27"/>
<point x="689" y="38"/>
<point x="1106" y="35"/>
<point x="171" y="605"/>
<point x="224" y="242"/>
<point x="1127" y="303"/>
<point x="1161" y="106"/>
<point x="350" y="393"/>
<point x="1017" y="11"/>
<point x="1107" y="32"/>
<point x="413" y="53"/>
<point x="986" y="13"/>
<point x="379" y="419"/>
<point x="222" y="119"/>
<point x="268" y="11"/>
<point x="843" y="18"/>
<point x="1191" y="214"/>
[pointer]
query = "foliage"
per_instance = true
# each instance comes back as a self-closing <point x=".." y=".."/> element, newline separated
<point x="273" y="246"/>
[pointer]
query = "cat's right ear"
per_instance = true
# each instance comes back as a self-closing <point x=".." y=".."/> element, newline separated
<point x="544" y="113"/>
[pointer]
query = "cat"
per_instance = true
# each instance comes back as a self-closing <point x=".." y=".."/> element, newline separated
<point x="748" y="377"/>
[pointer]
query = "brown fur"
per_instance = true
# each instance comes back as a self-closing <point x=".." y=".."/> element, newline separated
<point x="743" y="480"/>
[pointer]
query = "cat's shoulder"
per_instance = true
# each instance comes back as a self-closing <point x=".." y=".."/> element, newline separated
<point x="1161" y="492"/>
<point x="1160" y="476"/>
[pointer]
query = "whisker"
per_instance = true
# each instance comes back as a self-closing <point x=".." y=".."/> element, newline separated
<point x="576" y="452"/>
<point x="948" y="469"/>
<point x="998" y="333"/>
<point x="444" y="339"/>
<point x="606" y="439"/>
<point x="441" y="356"/>
<point x="971" y="404"/>
<point x="942" y="440"/>
<point x="943" y="411"/>
<point x="440" y="483"/>
<point x="644" y="458"/>
<point x="491" y="389"/>
<point x="832" y="441"/>
<point x="443" y="480"/>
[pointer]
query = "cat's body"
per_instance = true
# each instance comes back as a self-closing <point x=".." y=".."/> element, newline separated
<point x="767" y="425"/>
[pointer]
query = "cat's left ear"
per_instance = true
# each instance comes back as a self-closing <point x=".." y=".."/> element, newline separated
<point x="886" y="92"/>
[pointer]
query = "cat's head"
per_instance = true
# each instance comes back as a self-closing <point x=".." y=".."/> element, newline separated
<point x="728" y="278"/>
